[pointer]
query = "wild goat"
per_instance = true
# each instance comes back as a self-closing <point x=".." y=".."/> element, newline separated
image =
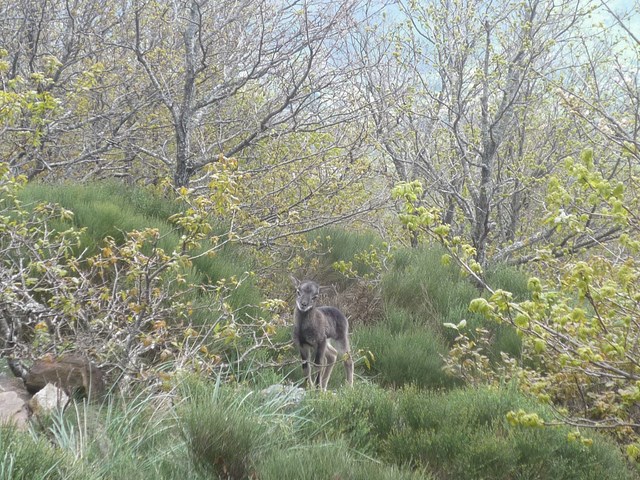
<point x="313" y="327"/>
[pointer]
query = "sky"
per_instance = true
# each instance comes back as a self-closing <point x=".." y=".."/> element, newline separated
<point x="620" y="6"/>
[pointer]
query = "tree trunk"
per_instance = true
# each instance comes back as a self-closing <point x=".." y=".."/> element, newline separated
<point x="183" y="172"/>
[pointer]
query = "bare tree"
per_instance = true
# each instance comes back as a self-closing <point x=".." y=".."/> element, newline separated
<point x="231" y="73"/>
<point x="465" y="125"/>
<point x="61" y="48"/>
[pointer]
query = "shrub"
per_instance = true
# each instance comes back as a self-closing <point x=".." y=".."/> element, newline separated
<point x="164" y="291"/>
<point x="398" y="320"/>
<point x="111" y="209"/>
<point x="363" y="415"/>
<point x="409" y="357"/>
<point x="328" y="461"/>
<point x="464" y="434"/>
<point x="459" y="434"/>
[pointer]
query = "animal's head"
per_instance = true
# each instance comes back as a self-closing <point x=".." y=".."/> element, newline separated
<point x="306" y="294"/>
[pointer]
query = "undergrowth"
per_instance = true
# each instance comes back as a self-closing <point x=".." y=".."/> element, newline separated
<point x="110" y="209"/>
<point x="405" y="419"/>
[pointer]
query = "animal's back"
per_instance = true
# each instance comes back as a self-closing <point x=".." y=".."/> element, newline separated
<point x="333" y="312"/>
<point x="338" y="323"/>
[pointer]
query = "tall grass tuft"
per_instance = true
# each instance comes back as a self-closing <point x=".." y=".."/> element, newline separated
<point x="407" y="357"/>
<point x="212" y="430"/>
<point x="329" y="461"/>
<point x="461" y="433"/>
<point x="223" y="441"/>
<point x="24" y="457"/>
<point x="228" y="431"/>
<point x="133" y="438"/>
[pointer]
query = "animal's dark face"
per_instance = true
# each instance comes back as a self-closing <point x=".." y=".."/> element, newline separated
<point x="306" y="295"/>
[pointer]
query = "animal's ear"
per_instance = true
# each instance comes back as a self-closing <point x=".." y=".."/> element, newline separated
<point x="296" y="282"/>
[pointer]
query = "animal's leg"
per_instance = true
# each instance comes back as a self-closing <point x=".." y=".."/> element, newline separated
<point x="321" y="349"/>
<point x="330" y="357"/>
<point x="344" y="353"/>
<point x="305" y="352"/>
<point x="348" y="368"/>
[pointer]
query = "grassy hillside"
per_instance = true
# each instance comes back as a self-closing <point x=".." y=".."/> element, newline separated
<point x="112" y="209"/>
<point x="224" y="431"/>
<point x="404" y="419"/>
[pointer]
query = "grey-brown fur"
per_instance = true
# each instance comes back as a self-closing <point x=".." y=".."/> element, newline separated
<point x="312" y="330"/>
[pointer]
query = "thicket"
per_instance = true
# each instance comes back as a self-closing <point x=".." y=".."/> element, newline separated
<point x="128" y="280"/>
<point x="578" y="322"/>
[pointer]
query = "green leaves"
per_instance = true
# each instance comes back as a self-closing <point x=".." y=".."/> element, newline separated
<point x="410" y="192"/>
<point x="482" y="306"/>
<point x="524" y="419"/>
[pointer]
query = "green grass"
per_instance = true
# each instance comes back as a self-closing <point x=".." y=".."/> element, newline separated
<point x="464" y="434"/>
<point x="510" y="279"/>
<point x="25" y="457"/>
<point x="431" y="292"/>
<point x="406" y="357"/>
<point x="339" y="244"/>
<point x="420" y="287"/>
<point x="132" y="438"/>
<point x="242" y="434"/>
<point x="111" y="209"/>
<point x="461" y="434"/>
<point x="208" y="429"/>
<point x="329" y="461"/>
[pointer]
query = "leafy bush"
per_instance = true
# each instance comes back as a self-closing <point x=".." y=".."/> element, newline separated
<point x="150" y="277"/>
<point x="111" y="209"/>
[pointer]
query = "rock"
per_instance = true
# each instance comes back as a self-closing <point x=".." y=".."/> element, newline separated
<point x="286" y="394"/>
<point x="13" y="409"/>
<point x="73" y="374"/>
<point x="48" y="399"/>
<point x="14" y="384"/>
